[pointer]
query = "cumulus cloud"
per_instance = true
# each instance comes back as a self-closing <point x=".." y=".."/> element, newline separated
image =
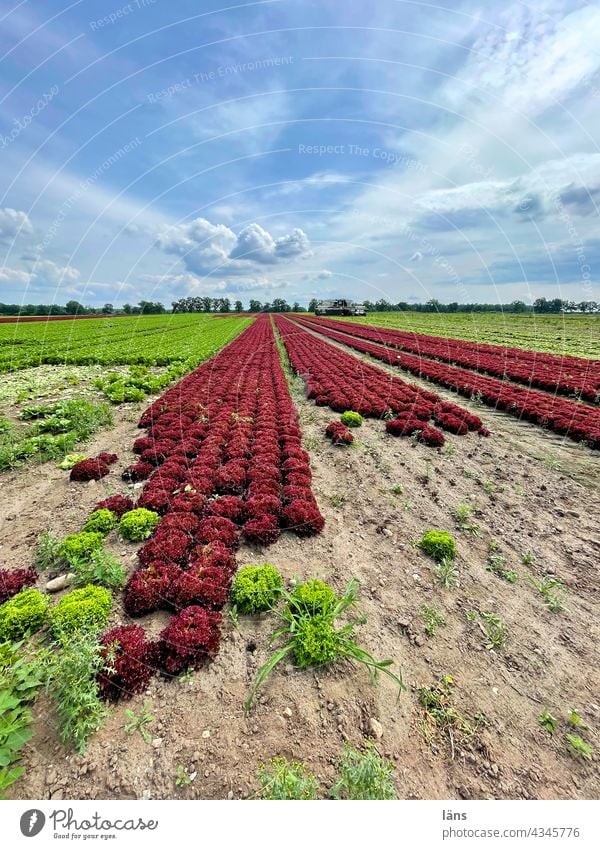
<point x="325" y="274"/>
<point x="191" y="284"/>
<point x="416" y="257"/>
<point x="14" y="276"/>
<point x="12" y="223"/>
<point x="40" y="274"/>
<point x="209" y="249"/>
<point x="254" y="243"/>
<point x="47" y="271"/>
<point x="294" y="244"/>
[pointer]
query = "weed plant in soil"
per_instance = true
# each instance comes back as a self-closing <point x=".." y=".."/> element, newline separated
<point x="22" y="672"/>
<point x="364" y="775"/>
<point x="314" y="640"/>
<point x="50" y="431"/>
<point x="283" y="779"/>
<point x="73" y="687"/>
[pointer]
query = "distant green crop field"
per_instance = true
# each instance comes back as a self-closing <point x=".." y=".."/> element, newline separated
<point x="578" y="335"/>
<point x="149" y="339"/>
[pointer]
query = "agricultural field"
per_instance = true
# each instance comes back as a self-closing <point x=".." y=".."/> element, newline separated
<point x="321" y="564"/>
<point x="577" y="335"/>
<point x="45" y="365"/>
<point x="149" y="340"/>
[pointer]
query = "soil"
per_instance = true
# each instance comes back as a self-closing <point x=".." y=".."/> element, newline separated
<point x="530" y="492"/>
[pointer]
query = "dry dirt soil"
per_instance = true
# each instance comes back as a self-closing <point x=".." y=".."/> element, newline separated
<point x="530" y="492"/>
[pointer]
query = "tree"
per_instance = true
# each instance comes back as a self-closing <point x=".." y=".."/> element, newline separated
<point x="518" y="306"/>
<point x="255" y="306"/>
<point x="239" y="307"/>
<point x="224" y="305"/>
<point x="108" y="309"/>
<point x="280" y="305"/>
<point x="148" y="307"/>
<point x="127" y="309"/>
<point x="74" y="308"/>
<point x="312" y="304"/>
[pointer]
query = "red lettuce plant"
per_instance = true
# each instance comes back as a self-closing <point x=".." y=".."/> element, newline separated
<point x="12" y="581"/>
<point x="190" y="640"/>
<point x="171" y="547"/>
<point x="217" y="529"/>
<point x="264" y="530"/>
<point x="303" y="517"/>
<point x="215" y="554"/>
<point x="404" y="425"/>
<point x="130" y="662"/>
<point x="339" y="435"/>
<point x="148" y="589"/>
<point x="191" y="502"/>
<point x="227" y="507"/>
<point x="157" y="500"/>
<point x="89" y="470"/>
<point x="431" y="436"/>
<point x="187" y="522"/>
<point x="137" y="472"/>
<point x="106" y="457"/>
<point x="117" y="504"/>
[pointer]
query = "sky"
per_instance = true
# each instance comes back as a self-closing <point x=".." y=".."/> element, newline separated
<point x="299" y="149"/>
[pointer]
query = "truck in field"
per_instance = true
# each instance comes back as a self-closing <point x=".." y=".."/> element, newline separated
<point x="339" y="306"/>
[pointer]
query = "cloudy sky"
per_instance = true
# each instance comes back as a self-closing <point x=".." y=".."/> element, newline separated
<point x="299" y="148"/>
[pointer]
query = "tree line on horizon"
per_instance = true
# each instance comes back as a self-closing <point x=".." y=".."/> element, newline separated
<point x="553" y="306"/>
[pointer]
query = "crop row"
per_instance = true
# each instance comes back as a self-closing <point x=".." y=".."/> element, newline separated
<point x="149" y="340"/>
<point x="222" y="457"/>
<point x="580" y="422"/>
<point x="566" y="375"/>
<point x="340" y="381"/>
<point x="573" y="335"/>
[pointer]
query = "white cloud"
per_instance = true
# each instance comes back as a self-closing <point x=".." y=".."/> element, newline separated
<point x="254" y="243"/>
<point x="13" y="222"/>
<point x="47" y="271"/>
<point x="190" y="284"/>
<point x="14" y="276"/>
<point x="44" y="272"/>
<point x="214" y="249"/>
<point x="534" y="56"/>
<point x="294" y="244"/>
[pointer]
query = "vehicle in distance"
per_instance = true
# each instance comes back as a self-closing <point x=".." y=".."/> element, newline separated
<point x="339" y="306"/>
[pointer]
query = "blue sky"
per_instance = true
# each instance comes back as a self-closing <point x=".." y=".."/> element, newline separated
<point x="393" y="149"/>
